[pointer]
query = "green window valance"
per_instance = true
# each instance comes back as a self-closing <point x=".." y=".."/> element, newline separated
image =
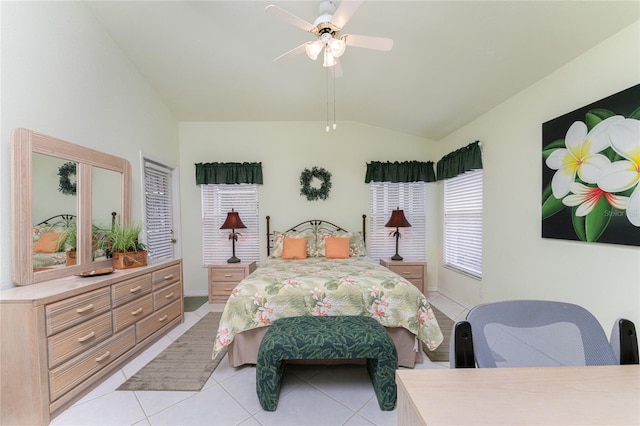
<point x="460" y="161"/>
<point x="211" y="173"/>
<point x="406" y="171"/>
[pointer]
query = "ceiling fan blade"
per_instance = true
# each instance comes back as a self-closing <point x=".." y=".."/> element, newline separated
<point x="290" y="54"/>
<point x="344" y="12"/>
<point x="366" y="42"/>
<point x="289" y="17"/>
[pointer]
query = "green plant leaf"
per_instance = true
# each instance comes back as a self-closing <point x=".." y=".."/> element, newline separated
<point x="635" y="114"/>
<point x="595" y="116"/>
<point x="579" y="225"/>
<point x="598" y="219"/>
<point x="125" y="237"/>
<point x="590" y="227"/>
<point x="558" y="143"/>
<point x="551" y="205"/>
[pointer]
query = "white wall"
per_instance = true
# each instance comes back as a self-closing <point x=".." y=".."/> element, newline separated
<point x="517" y="262"/>
<point x="285" y="149"/>
<point x="63" y="76"/>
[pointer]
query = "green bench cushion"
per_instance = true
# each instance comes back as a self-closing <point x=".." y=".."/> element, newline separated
<point x="333" y="337"/>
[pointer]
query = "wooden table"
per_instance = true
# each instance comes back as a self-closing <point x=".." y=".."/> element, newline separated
<point x="603" y="395"/>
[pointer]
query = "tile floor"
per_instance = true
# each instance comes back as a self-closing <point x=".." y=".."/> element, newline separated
<point x="310" y="395"/>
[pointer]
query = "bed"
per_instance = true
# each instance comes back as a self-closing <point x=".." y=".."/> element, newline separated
<point x="326" y="274"/>
<point x="49" y="249"/>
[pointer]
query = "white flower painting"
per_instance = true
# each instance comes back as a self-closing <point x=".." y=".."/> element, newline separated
<point x="591" y="172"/>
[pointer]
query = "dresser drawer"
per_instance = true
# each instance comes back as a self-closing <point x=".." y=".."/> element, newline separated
<point x="158" y="319"/>
<point x="167" y="295"/>
<point x="130" y="289"/>
<point x="76" y="370"/>
<point x="166" y="276"/>
<point x="408" y="271"/>
<point x="222" y="289"/>
<point x="132" y="312"/>
<point x="71" y="342"/>
<point x="69" y="312"/>
<point x="234" y="275"/>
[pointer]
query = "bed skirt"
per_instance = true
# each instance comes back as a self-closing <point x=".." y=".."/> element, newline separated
<point x="244" y="348"/>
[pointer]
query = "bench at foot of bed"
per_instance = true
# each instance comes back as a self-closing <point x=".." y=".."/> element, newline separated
<point x="339" y="337"/>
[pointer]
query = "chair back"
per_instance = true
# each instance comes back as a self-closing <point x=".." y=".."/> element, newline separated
<point x="537" y="333"/>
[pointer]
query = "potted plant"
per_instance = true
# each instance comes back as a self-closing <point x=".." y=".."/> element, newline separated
<point x="126" y="250"/>
<point x="68" y="243"/>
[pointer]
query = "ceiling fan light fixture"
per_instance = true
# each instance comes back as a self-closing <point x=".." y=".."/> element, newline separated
<point x="313" y="49"/>
<point x="337" y="47"/>
<point x="329" y="59"/>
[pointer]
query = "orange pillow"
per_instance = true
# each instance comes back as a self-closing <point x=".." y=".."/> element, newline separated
<point x="336" y="248"/>
<point x="47" y="243"/>
<point x="294" y="248"/>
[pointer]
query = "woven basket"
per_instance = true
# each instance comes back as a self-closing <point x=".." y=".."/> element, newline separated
<point x="71" y="257"/>
<point x="129" y="259"/>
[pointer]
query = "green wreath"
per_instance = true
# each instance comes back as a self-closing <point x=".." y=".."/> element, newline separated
<point x="315" y="193"/>
<point x="66" y="186"/>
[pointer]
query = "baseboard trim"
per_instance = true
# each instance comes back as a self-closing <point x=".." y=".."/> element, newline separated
<point x="196" y="293"/>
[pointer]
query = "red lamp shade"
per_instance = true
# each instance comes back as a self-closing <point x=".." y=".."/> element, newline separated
<point x="233" y="221"/>
<point x="397" y="220"/>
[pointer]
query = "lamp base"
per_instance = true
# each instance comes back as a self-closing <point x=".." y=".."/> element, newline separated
<point x="396" y="257"/>
<point x="233" y="259"/>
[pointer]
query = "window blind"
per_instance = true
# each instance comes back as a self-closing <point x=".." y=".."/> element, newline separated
<point x="158" y="211"/>
<point x="463" y="223"/>
<point x="217" y="200"/>
<point x="385" y="197"/>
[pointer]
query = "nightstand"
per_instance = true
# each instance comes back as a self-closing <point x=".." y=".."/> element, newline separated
<point x="224" y="277"/>
<point x="415" y="272"/>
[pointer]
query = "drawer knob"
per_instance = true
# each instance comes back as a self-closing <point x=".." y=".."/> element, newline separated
<point x="103" y="356"/>
<point x="85" y="309"/>
<point x="168" y="277"/>
<point x="163" y="318"/>
<point x="87" y="337"/>
<point x="169" y="296"/>
<point x="228" y="275"/>
<point x="137" y="311"/>
<point x="136" y="289"/>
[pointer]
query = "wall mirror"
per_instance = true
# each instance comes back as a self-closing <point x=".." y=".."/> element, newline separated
<point x="63" y="196"/>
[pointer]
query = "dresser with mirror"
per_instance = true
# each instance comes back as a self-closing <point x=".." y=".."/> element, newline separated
<point x="66" y="325"/>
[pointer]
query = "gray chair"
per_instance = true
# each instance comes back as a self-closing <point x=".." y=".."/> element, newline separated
<point x="537" y="333"/>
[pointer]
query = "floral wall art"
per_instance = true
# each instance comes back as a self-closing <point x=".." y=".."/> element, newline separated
<point x="591" y="172"/>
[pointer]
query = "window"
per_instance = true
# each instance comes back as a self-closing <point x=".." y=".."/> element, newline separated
<point x="385" y="197"/>
<point x="217" y="200"/>
<point x="463" y="223"/>
<point x="160" y="237"/>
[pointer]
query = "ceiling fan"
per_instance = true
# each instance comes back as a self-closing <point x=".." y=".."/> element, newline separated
<point x="326" y="28"/>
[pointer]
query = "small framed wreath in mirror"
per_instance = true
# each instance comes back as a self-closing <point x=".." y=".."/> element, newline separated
<point x="312" y="193"/>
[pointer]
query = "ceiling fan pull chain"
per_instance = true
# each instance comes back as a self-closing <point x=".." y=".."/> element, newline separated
<point x="327" y="128"/>
<point x="334" y="100"/>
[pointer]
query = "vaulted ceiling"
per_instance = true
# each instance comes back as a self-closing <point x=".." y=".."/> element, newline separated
<point x="451" y="60"/>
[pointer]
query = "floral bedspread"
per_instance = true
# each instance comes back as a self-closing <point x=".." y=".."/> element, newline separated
<point x="326" y="287"/>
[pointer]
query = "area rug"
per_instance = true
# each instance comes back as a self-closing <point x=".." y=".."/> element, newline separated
<point x="185" y="365"/>
<point x="191" y="303"/>
<point x="441" y="354"/>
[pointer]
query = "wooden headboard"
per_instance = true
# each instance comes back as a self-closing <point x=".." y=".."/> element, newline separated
<point x="315" y="225"/>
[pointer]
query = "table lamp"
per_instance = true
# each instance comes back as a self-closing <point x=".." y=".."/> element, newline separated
<point x="233" y="222"/>
<point x="397" y="221"/>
